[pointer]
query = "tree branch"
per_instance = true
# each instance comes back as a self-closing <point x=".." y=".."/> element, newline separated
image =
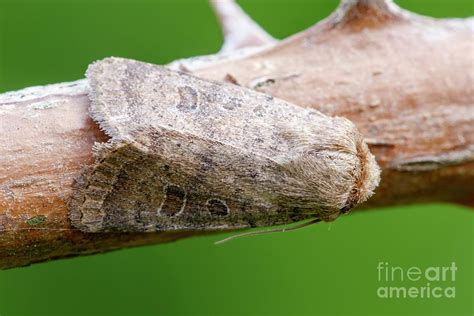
<point x="406" y="81"/>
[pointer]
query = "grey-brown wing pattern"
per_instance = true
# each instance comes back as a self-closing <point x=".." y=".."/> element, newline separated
<point x="191" y="154"/>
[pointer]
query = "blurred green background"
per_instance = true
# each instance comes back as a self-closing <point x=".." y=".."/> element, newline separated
<point x="328" y="269"/>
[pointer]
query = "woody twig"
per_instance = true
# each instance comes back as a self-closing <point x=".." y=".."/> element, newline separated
<point x="406" y="81"/>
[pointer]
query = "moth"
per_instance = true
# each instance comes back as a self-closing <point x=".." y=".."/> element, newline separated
<point x="191" y="154"/>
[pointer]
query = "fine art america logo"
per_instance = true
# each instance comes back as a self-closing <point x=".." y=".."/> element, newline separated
<point x="416" y="282"/>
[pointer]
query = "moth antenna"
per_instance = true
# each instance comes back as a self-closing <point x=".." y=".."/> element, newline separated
<point x="268" y="231"/>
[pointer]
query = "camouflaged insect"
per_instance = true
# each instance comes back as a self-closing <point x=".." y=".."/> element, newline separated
<point x="191" y="154"/>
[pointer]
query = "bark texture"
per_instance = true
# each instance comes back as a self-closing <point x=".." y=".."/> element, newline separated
<point x="406" y="81"/>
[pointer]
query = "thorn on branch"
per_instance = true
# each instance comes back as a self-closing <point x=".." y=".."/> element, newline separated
<point x="366" y="13"/>
<point x="240" y="31"/>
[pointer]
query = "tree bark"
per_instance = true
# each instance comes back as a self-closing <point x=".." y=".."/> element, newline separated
<point x="406" y="81"/>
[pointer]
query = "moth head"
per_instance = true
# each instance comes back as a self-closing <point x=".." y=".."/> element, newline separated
<point x="329" y="172"/>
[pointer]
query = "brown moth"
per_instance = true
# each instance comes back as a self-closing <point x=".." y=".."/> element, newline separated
<point x="191" y="154"/>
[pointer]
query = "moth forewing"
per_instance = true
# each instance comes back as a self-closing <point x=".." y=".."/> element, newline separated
<point x="190" y="154"/>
